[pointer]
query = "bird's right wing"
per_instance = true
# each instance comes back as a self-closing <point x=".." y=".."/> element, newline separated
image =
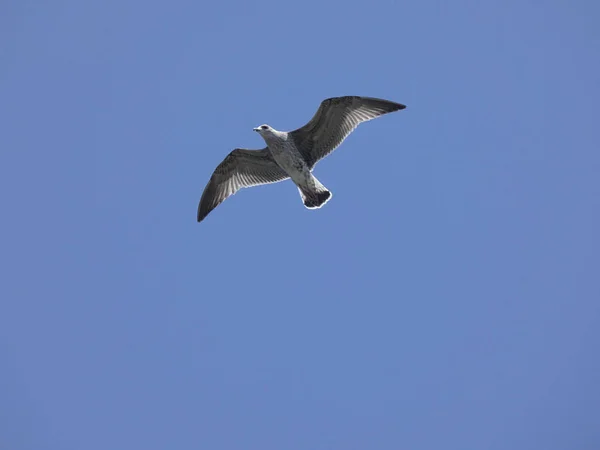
<point x="240" y="169"/>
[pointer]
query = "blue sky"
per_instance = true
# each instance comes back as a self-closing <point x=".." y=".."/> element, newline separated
<point x="447" y="297"/>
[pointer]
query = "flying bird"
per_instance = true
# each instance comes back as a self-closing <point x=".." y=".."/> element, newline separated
<point x="293" y="154"/>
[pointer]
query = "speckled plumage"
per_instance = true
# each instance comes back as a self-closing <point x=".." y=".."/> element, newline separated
<point x="293" y="154"/>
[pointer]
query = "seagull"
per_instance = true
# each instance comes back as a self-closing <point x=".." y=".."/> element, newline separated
<point x="293" y="154"/>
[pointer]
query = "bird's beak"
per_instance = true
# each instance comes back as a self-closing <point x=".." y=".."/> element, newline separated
<point x="256" y="129"/>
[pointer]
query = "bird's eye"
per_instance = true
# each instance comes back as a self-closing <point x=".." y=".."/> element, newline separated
<point x="264" y="127"/>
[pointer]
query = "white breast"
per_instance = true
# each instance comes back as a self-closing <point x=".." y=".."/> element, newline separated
<point x="288" y="157"/>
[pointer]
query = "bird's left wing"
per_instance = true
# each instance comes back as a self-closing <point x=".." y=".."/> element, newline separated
<point x="335" y="119"/>
<point x="240" y="169"/>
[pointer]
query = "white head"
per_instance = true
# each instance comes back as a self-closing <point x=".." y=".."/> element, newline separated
<point x="264" y="130"/>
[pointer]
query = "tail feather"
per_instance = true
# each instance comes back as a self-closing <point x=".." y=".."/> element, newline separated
<point x="314" y="196"/>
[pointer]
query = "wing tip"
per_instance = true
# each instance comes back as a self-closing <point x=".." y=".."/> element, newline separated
<point x="387" y="105"/>
<point x="201" y="215"/>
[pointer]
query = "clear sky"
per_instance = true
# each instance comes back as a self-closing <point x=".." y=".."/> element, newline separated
<point x="447" y="297"/>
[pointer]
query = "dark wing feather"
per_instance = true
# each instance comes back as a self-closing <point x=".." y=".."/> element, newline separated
<point x="335" y="119"/>
<point x="240" y="169"/>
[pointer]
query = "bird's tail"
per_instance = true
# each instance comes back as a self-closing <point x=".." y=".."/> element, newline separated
<point x="314" y="195"/>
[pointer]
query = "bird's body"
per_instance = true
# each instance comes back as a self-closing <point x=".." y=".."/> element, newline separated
<point x="290" y="159"/>
<point x="286" y="155"/>
<point x="293" y="154"/>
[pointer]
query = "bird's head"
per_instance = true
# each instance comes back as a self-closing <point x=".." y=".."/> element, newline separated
<point x="264" y="130"/>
